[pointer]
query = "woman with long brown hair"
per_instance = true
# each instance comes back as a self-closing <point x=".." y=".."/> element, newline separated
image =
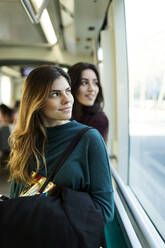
<point x="44" y="130"/>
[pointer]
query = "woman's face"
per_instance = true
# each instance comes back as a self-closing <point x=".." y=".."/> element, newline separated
<point x="58" y="108"/>
<point x="89" y="89"/>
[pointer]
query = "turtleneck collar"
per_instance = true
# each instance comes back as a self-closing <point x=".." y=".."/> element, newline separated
<point x="60" y="128"/>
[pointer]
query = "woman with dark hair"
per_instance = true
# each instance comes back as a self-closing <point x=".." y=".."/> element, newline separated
<point x="44" y="130"/>
<point x="88" y="97"/>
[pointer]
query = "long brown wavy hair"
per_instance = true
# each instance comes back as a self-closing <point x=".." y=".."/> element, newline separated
<point x="28" y="139"/>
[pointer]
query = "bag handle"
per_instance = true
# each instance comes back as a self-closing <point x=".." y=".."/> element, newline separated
<point x="63" y="157"/>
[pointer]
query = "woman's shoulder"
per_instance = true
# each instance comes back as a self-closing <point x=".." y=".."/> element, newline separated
<point x="92" y="135"/>
<point x="78" y="126"/>
<point x="99" y="120"/>
<point x="90" y="132"/>
<point x="101" y="115"/>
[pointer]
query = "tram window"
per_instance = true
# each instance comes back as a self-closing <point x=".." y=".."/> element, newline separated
<point x="5" y="90"/>
<point x="146" y="64"/>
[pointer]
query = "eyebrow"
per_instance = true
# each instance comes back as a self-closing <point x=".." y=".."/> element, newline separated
<point x="60" y="90"/>
<point x="83" y="78"/>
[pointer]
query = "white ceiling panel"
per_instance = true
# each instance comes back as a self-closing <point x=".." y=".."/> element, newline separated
<point x="71" y="19"/>
<point x="15" y="25"/>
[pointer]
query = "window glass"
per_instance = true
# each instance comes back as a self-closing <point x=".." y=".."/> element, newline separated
<point x="146" y="64"/>
<point x="5" y="90"/>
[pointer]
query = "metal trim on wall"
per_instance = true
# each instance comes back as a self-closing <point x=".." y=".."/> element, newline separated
<point x="152" y="237"/>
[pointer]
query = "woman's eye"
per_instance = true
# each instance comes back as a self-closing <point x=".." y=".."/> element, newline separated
<point x="68" y="92"/>
<point x="54" y="94"/>
<point x="84" y="83"/>
<point x="95" y="83"/>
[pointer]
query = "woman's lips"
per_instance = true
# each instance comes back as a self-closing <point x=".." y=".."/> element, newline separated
<point x="90" y="97"/>
<point x="67" y="109"/>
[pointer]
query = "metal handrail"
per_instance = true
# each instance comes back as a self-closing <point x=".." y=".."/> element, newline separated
<point x="133" y="239"/>
<point x="152" y="237"/>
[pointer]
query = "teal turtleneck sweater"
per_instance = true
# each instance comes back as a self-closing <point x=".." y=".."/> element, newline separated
<point x="87" y="168"/>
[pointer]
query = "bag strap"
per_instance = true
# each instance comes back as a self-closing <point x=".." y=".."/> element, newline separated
<point x="63" y="157"/>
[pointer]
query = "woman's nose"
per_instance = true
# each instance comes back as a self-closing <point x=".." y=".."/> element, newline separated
<point x="65" y="98"/>
<point x="90" y="87"/>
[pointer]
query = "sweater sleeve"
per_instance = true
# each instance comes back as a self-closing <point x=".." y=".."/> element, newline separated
<point x="12" y="189"/>
<point x="101" y="189"/>
<point x="15" y="189"/>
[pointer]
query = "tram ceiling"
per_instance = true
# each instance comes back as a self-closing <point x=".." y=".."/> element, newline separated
<point x="82" y="28"/>
<point x="17" y="28"/>
<point x="76" y="24"/>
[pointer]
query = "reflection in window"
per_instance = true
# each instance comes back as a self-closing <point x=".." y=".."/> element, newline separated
<point x="146" y="63"/>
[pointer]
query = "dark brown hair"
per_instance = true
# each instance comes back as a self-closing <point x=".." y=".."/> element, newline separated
<point x="7" y="112"/>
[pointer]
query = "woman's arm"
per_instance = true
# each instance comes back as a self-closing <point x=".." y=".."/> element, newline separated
<point x="101" y="189"/>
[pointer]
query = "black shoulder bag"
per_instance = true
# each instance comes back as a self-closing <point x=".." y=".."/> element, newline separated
<point x="66" y="219"/>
